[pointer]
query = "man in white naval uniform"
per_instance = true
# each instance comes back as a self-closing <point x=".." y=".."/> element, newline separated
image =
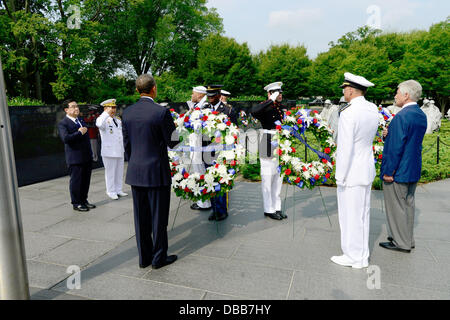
<point x="269" y="112"/>
<point x="355" y="171"/>
<point x="198" y="100"/>
<point x="112" y="152"/>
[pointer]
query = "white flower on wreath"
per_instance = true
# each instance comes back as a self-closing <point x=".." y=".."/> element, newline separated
<point x="222" y="126"/>
<point x="229" y="140"/>
<point x="286" y="158"/>
<point x="290" y="119"/>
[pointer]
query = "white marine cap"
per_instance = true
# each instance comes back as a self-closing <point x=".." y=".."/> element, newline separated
<point x="425" y="101"/>
<point x="273" y="86"/>
<point x="355" y="81"/>
<point x="327" y="101"/>
<point x="199" y="89"/>
<point x="225" y="93"/>
<point x="109" y="103"/>
<point x="342" y="100"/>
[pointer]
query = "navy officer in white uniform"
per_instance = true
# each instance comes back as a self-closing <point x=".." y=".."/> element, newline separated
<point x="355" y="171"/>
<point x="112" y="152"/>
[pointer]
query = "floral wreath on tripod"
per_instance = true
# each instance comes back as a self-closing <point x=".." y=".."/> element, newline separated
<point x="224" y="136"/>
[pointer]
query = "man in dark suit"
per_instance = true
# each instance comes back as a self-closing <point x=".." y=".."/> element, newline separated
<point x="147" y="129"/>
<point x="72" y="131"/>
<point x="401" y="166"/>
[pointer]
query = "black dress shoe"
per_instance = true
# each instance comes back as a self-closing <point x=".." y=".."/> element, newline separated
<point x="90" y="206"/>
<point x="143" y="266"/>
<point x="212" y="217"/>
<point x="391" y="246"/>
<point x="81" y="207"/>
<point x="169" y="260"/>
<point x="222" y="217"/>
<point x="281" y="214"/>
<point x="274" y="216"/>
<point x="195" y="206"/>
<point x="390" y="239"/>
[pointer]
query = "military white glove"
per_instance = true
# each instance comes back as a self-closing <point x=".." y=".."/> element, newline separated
<point x="274" y="96"/>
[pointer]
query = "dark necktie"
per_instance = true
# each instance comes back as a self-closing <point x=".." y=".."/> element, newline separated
<point x="78" y="123"/>
<point x="114" y="120"/>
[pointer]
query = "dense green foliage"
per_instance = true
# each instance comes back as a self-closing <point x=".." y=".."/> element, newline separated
<point x="181" y="43"/>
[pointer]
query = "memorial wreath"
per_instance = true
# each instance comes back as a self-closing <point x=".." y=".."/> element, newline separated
<point x="291" y="134"/>
<point x="223" y="135"/>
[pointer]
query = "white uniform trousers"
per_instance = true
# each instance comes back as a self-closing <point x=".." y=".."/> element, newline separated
<point x="198" y="166"/>
<point x="271" y="183"/>
<point x="354" y="220"/>
<point x="113" y="174"/>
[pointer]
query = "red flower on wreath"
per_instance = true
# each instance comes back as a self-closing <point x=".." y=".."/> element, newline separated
<point x="182" y="115"/>
<point x="217" y="166"/>
<point x="315" y="121"/>
<point x="233" y="163"/>
<point x="204" y="191"/>
<point x="288" y="113"/>
<point x="228" y="123"/>
<point x="186" y="119"/>
<point x="380" y="156"/>
<point x="172" y="110"/>
<point x="325" y="161"/>
<point x="316" y="177"/>
<point x="187" y="190"/>
<point x="327" y="150"/>
<point x="280" y="152"/>
<point x="205" y="118"/>
<point x="327" y="176"/>
<point x="297" y="181"/>
<point x="304" y="169"/>
<point x="202" y="177"/>
<point x="299" y="121"/>
<point x="278" y="127"/>
<point x="215" y="113"/>
<point x="197" y="108"/>
<point x="288" y="172"/>
<point x="315" y="111"/>
<point x="186" y="175"/>
<point x="293" y="150"/>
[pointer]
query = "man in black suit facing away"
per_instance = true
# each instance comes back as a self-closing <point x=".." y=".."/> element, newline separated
<point x="147" y="129"/>
<point x="73" y="133"/>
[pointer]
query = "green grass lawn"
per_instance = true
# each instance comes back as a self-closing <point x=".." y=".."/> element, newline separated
<point x="431" y="171"/>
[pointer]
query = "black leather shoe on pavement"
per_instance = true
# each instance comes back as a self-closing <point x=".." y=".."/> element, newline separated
<point x="195" y="206"/>
<point x="391" y="246"/>
<point x="390" y="239"/>
<point x="222" y="217"/>
<point x="281" y="214"/>
<point x="212" y="216"/>
<point x="274" y="216"/>
<point x="169" y="260"/>
<point x="81" y="208"/>
<point x="90" y="206"/>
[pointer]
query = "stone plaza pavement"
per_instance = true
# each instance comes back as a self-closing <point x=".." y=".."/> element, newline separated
<point x="247" y="256"/>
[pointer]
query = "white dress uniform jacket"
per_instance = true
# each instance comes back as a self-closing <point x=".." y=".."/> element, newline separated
<point x="111" y="135"/>
<point x="355" y="172"/>
<point x="358" y="124"/>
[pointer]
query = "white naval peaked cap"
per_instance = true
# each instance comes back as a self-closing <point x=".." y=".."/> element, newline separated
<point x="327" y="101"/>
<point x="273" y="86"/>
<point x="109" y="103"/>
<point x="425" y="101"/>
<point x="199" y="89"/>
<point x="342" y="99"/>
<point x="355" y="81"/>
<point x="225" y="93"/>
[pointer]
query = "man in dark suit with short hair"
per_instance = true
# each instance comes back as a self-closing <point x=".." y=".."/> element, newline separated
<point x="73" y="133"/>
<point x="147" y="129"/>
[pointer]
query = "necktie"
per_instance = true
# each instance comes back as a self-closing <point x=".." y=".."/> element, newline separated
<point x="78" y="123"/>
<point x="114" y="120"/>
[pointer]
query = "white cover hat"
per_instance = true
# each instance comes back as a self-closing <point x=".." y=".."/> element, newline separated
<point x="355" y="81"/>
<point x="225" y="93"/>
<point x="273" y="86"/>
<point x="199" y="89"/>
<point x="108" y="103"/>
